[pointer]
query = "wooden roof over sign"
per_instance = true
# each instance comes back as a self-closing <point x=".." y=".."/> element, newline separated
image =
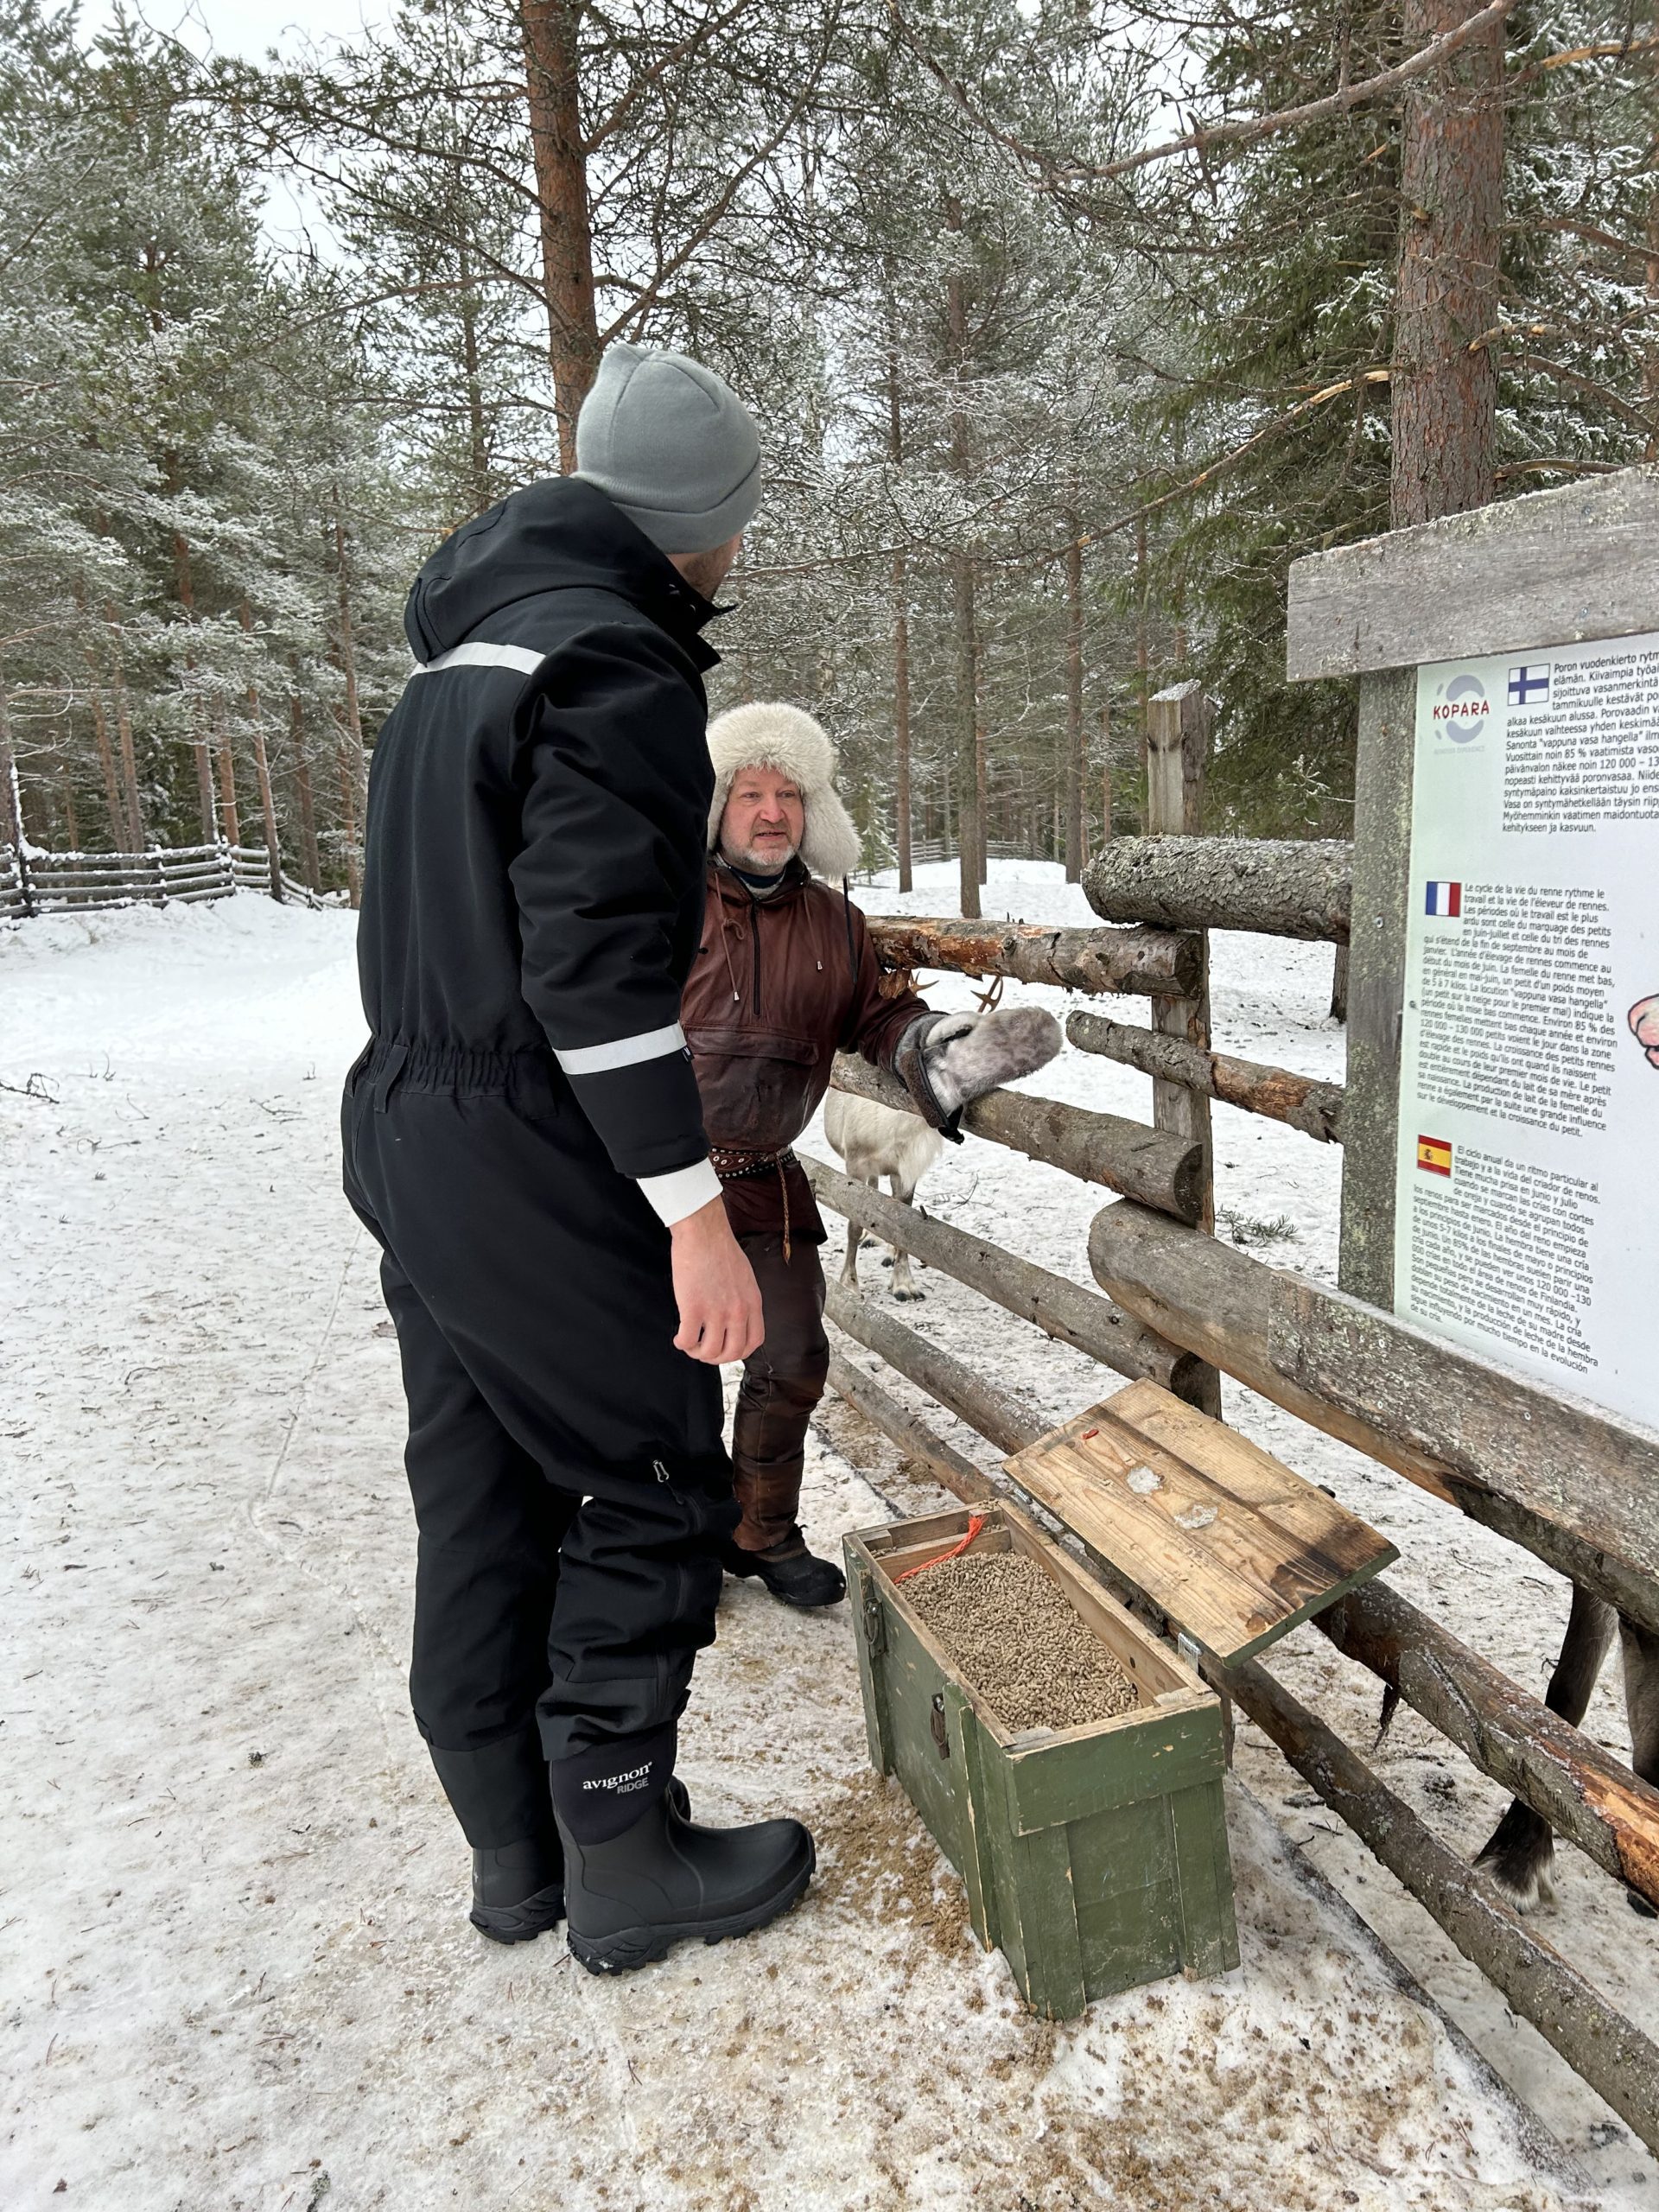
<point x="1550" y="569"/>
<point x="1232" y="1545"/>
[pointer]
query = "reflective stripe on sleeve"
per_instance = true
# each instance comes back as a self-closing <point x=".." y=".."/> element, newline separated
<point x="622" y="1052"/>
<point x="684" y="1191"/>
<point x="482" y="655"/>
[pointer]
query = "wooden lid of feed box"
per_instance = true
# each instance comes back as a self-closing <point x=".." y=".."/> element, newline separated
<point x="1227" y="1542"/>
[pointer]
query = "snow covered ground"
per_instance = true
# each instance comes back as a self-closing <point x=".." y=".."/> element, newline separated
<point x="237" y="1971"/>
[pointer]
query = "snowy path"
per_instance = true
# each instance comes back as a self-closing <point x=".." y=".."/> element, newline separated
<point x="236" y="1965"/>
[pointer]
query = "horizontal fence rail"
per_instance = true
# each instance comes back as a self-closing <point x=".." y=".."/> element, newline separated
<point x="1152" y="962"/>
<point x="1061" y="1309"/>
<point x="1166" y="1172"/>
<point x="1298" y="1100"/>
<point x="1282" y="886"/>
<point x="38" y="882"/>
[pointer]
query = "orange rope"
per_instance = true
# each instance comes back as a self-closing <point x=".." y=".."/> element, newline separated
<point x="976" y="1522"/>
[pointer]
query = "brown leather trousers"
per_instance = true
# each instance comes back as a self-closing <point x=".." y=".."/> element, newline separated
<point x="782" y="1383"/>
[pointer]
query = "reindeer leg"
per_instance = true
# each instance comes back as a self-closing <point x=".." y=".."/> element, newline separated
<point x="1520" y="1853"/>
<point x="855" y="1238"/>
<point x="1640" y="1652"/>
<point x="904" y="1283"/>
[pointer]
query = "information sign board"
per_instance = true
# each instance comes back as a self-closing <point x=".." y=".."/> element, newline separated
<point x="1526" y="1199"/>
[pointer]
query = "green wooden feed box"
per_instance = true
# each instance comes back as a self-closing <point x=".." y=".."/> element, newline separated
<point x="1094" y="1857"/>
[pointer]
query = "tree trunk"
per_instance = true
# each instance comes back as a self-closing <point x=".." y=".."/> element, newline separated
<point x="123" y="730"/>
<point x="478" y="446"/>
<point x="900" y="649"/>
<point x="11" y="793"/>
<point x="120" y="836"/>
<point x="302" y="791"/>
<point x="981" y="772"/>
<point x="353" y="777"/>
<point x="1106" y="774"/>
<point x="1142" y="658"/>
<point x="230" y="821"/>
<point x="184" y="584"/>
<point x="1444" y="382"/>
<point x="552" y="78"/>
<point x="262" y="776"/>
<point x="969" y="818"/>
<point x="1074" y="747"/>
<point x="961" y="593"/>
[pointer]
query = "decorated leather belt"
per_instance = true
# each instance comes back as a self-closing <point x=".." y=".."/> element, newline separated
<point x="731" y="1162"/>
<point x="734" y="1165"/>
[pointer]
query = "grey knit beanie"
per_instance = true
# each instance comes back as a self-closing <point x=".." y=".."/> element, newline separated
<point x="673" y="445"/>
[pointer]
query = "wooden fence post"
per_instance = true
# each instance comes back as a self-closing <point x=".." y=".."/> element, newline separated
<point x="1177" y="747"/>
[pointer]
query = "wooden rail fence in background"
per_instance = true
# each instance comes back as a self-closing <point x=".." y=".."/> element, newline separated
<point x="37" y="882"/>
<point x="1577" y="1488"/>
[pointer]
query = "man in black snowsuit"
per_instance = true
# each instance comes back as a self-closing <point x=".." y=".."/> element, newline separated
<point x="523" y="1137"/>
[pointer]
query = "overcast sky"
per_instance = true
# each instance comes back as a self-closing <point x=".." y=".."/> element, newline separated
<point x="247" y="27"/>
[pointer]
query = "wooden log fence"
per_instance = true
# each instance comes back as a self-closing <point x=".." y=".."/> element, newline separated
<point x="1609" y="2051"/>
<point x="1158" y="1170"/>
<point x="1584" y="1793"/>
<point x="1300" y="1101"/>
<point x="1619" y="2062"/>
<point x="1281" y="886"/>
<point x="33" y="881"/>
<point x="1575" y="1485"/>
<point x="1154" y="963"/>
<point x="1063" y="1310"/>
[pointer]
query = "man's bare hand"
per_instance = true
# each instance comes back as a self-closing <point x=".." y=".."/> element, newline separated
<point x="715" y="1288"/>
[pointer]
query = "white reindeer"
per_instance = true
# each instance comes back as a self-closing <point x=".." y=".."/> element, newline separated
<point x="876" y="1141"/>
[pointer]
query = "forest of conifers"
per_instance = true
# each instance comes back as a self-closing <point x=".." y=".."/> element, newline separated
<point x="1069" y="326"/>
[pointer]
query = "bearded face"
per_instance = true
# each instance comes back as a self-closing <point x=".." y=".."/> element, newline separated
<point x="763" y="822"/>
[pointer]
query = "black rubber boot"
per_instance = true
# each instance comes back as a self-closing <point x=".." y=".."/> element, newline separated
<point x="519" y="1892"/>
<point x="664" y="1880"/>
<point x="789" y="1572"/>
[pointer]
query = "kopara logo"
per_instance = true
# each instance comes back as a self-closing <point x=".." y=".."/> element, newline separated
<point x="1461" y="708"/>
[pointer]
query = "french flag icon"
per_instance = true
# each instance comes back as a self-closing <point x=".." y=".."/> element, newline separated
<point x="1445" y="900"/>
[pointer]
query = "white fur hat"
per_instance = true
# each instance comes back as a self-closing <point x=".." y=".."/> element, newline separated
<point x="769" y="735"/>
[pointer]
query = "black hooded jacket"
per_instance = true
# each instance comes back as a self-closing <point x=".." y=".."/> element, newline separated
<point x="538" y="808"/>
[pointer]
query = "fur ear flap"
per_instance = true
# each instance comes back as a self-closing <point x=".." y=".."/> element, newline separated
<point x="830" y="846"/>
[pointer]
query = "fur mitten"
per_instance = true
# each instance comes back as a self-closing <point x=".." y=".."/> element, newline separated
<point x="947" y="1060"/>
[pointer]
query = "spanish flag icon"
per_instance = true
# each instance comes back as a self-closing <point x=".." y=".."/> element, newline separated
<point x="1434" y="1155"/>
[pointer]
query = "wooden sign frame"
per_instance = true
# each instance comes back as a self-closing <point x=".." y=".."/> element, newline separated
<point x="1550" y="569"/>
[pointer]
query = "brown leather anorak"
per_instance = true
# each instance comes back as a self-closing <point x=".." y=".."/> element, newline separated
<point x="779" y="987"/>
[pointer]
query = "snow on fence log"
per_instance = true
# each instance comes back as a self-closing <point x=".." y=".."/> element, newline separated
<point x="1619" y="2062"/>
<point x="1584" y="1793"/>
<point x="1063" y="1310"/>
<point x="47" y="882"/>
<point x="1313" y="1107"/>
<point x="1576" y="1486"/>
<point x="1152" y="962"/>
<point x="1160" y="1170"/>
<point x="1283" y="887"/>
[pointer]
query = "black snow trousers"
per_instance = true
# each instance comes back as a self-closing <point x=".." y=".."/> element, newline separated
<point x="570" y="1483"/>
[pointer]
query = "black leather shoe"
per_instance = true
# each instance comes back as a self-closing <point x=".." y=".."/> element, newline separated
<point x="662" y="1881"/>
<point x="519" y="1892"/>
<point x="789" y="1572"/>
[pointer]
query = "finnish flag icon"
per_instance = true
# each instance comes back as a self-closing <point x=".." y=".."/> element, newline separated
<point x="1530" y="687"/>
<point x="1445" y="900"/>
